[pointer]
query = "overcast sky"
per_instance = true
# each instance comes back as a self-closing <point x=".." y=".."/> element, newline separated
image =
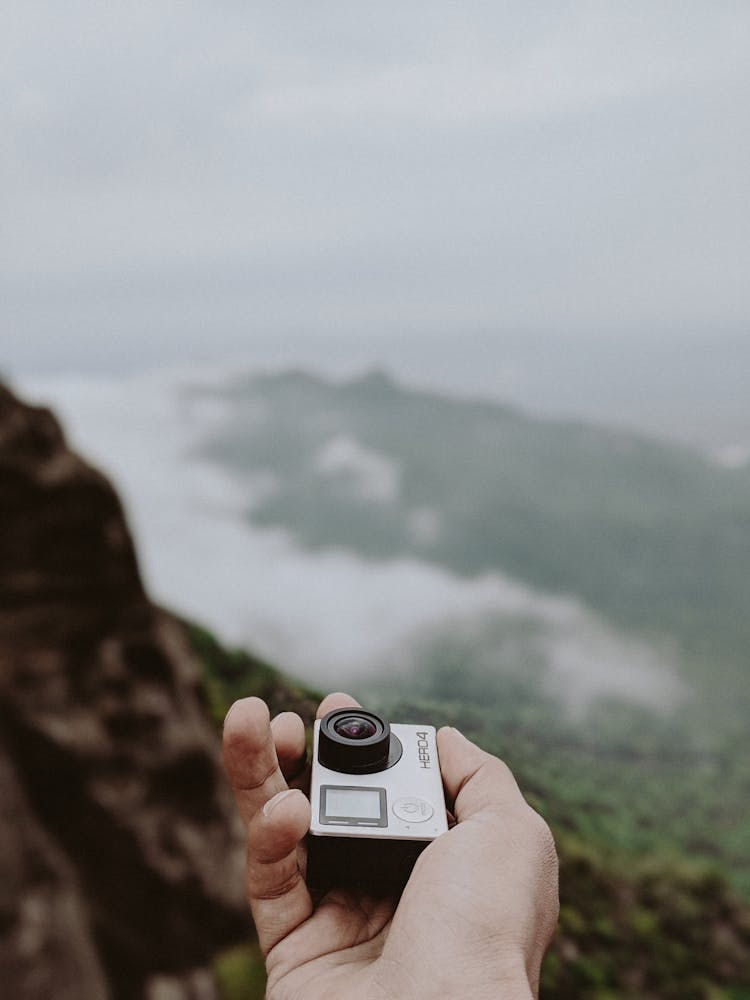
<point x="191" y="179"/>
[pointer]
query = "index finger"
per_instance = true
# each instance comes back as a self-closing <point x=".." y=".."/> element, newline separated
<point x="336" y="700"/>
<point x="249" y="756"/>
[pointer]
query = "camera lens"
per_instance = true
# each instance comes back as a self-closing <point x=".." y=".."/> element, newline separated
<point x="355" y="727"/>
<point x="355" y="741"/>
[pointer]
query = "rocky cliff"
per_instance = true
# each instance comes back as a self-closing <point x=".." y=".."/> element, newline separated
<point x="120" y="852"/>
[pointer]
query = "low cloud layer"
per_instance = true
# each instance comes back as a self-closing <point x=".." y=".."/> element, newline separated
<point x="329" y="616"/>
<point x="368" y="474"/>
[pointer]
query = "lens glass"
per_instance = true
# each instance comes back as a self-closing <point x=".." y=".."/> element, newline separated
<point x="354" y="727"/>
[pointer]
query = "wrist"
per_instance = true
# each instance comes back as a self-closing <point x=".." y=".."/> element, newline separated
<point x="482" y="982"/>
<point x="490" y="981"/>
<point x="492" y="988"/>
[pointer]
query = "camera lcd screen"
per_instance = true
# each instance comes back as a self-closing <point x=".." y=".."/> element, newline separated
<point x="346" y="805"/>
<point x="364" y="803"/>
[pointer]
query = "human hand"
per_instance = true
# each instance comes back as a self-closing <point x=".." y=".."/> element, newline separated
<point x="474" y="919"/>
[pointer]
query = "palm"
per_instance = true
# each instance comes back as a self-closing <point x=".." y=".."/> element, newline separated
<point x="334" y="952"/>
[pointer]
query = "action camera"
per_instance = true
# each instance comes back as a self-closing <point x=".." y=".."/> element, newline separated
<point x="376" y="796"/>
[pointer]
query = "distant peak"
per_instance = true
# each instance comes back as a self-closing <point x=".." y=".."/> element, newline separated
<point x="375" y="379"/>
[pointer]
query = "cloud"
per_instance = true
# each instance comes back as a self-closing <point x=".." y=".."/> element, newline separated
<point x="586" y="63"/>
<point x="369" y="473"/>
<point x="330" y="616"/>
<point x="427" y="168"/>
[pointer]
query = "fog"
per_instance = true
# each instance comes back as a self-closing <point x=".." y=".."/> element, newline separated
<point x="548" y="204"/>
<point x="330" y="617"/>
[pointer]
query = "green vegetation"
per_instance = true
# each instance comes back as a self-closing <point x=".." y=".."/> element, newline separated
<point x="644" y="930"/>
<point x="620" y="776"/>
<point x="653" y="536"/>
<point x="230" y="674"/>
<point x="240" y="973"/>
<point x="633" y="926"/>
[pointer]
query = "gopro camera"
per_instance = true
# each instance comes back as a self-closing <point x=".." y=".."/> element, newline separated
<point x="377" y="799"/>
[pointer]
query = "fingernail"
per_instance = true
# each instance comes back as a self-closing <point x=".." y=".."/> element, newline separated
<point x="269" y="807"/>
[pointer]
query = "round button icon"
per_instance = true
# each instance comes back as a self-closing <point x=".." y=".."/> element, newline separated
<point x="413" y="810"/>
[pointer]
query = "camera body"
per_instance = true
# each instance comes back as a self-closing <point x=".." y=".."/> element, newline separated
<point x="376" y="796"/>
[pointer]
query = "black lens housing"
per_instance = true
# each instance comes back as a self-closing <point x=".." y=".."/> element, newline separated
<point x="357" y="754"/>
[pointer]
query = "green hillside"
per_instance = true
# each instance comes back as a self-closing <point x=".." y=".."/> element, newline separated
<point x="631" y="928"/>
<point x="653" y="538"/>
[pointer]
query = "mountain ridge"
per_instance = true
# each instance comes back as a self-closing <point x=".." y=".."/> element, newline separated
<point x="652" y="535"/>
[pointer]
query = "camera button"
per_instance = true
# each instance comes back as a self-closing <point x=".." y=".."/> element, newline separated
<point x="413" y="810"/>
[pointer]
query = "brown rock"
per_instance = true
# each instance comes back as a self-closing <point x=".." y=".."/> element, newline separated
<point x="46" y="943"/>
<point x="106" y="739"/>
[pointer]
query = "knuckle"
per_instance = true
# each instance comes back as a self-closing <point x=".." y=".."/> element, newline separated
<point x="268" y="886"/>
<point x="248" y="775"/>
<point x="260" y="778"/>
<point x="497" y="770"/>
<point x="546" y="865"/>
<point x="542" y="838"/>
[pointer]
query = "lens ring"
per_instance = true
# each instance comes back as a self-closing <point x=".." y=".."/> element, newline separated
<point x="354" y="741"/>
<point x="355" y="727"/>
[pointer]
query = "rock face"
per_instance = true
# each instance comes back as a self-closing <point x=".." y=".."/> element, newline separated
<point x="120" y="851"/>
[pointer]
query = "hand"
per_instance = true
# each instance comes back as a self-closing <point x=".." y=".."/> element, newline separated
<point x="474" y="919"/>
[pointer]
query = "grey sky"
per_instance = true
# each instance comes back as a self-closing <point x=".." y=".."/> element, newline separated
<point x="201" y="179"/>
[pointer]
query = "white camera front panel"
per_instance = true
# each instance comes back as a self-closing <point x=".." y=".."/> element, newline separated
<point x="403" y="802"/>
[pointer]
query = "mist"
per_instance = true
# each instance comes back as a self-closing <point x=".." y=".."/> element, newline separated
<point x="331" y="617"/>
<point x="545" y="205"/>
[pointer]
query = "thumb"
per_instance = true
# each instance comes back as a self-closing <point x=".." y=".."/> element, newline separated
<point x="474" y="781"/>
